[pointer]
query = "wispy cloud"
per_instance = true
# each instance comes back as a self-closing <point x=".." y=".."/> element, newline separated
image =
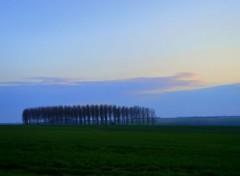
<point x="53" y="80"/>
<point x="185" y="75"/>
<point x="180" y="81"/>
<point x="42" y="81"/>
<point x="141" y="85"/>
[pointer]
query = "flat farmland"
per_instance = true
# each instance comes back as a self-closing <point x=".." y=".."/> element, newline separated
<point x="119" y="150"/>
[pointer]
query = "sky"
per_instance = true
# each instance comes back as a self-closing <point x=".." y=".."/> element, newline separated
<point x="181" y="57"/>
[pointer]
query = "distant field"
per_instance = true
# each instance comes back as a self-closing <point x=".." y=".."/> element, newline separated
<point x="119" y="150"/>
<point x="201" y="121"/>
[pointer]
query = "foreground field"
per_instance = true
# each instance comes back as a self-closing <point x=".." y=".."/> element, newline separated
<point x="119" y="150"/>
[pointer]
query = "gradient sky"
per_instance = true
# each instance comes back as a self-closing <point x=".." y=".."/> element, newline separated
<point x="170" y="45"/>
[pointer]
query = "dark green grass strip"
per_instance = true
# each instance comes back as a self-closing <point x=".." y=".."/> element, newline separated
<point x="119" y="150"/>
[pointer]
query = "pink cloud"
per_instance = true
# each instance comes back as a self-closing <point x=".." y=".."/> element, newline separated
<point x="142" y="85"/>
<point x="185" y="75"/>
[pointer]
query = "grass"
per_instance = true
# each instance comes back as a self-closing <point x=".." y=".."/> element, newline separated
<point x="119" y="150"/>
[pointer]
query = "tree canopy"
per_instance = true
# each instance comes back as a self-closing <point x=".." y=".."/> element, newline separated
<point x="89" y="115"/>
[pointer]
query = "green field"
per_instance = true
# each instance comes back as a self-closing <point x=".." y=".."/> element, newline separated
<point x="119" y="150"/>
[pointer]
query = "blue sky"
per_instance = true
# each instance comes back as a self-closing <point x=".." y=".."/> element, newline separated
<point x="148" y="48"/>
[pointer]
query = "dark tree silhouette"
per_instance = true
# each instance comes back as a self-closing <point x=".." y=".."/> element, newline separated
<point x="89" y="115"/>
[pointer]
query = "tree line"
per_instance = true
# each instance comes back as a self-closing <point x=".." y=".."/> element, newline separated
<point x="89" y="115"/>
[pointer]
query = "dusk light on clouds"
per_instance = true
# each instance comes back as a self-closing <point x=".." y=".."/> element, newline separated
<point x="176" y="56"/>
